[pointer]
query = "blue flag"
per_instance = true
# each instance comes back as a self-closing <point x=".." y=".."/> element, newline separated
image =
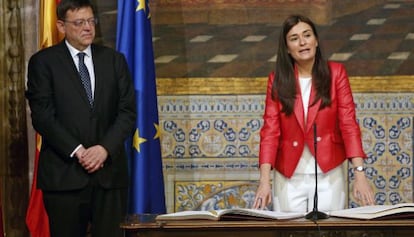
<point x="134" y="40"/>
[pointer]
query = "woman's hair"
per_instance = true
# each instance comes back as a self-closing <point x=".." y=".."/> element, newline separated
<point x="66" y="5"/>
<point x="284" y="85"/>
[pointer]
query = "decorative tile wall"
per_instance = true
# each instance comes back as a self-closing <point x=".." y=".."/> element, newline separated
<point x="210" y="147"/>
<point x="386" y="121"/>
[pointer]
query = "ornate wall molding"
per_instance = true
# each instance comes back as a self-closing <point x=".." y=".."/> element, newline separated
<point x="252" y="86"/>
<point x="13" y="157"/>
<point x="251" y="11"/>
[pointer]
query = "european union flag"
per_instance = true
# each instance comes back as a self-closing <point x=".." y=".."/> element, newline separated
<point x="134" y="40"/>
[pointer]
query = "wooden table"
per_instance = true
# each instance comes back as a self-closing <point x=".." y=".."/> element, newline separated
<point x="332" y="227"/>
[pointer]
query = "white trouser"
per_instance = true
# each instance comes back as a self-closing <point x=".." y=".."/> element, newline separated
<point x="297" y="193"/>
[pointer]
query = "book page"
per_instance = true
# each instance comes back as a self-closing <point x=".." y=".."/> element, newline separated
<point x="264" y="213"/>
<point x="235" y="213"/>
<point x="375" y="211"/>
<point x="188" y="215"/>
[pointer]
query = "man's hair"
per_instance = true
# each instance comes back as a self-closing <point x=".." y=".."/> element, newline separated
<point x="70" y="5"/>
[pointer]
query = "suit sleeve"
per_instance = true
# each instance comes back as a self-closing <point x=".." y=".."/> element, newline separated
<point x="123" y="125"/>
<point x="41" y="95"/>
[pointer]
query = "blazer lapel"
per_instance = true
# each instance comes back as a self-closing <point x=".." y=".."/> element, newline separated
<point x="298" y="107"/>
<point x="312" y="110"/>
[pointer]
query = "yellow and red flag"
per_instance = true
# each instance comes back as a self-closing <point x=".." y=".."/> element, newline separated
<point x="37" y="220"/>
<point x="48" y="32"/>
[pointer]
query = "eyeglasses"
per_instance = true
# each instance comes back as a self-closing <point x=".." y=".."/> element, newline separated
<point x="82" y="22"/>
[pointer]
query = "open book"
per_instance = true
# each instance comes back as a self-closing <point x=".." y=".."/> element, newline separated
<point x="230" y="214"/>
<point x="402" y="210"/>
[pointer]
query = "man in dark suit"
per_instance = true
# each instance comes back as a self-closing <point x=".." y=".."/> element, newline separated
<point x="84" y="108"/>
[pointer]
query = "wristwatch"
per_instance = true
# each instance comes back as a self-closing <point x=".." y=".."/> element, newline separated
<point x="359" y="168"/>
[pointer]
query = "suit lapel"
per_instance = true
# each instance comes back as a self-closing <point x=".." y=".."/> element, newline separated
<point x="72" y="71"/>
<point x="99" y="72"/>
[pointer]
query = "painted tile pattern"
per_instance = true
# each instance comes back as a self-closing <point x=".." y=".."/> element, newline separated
<point x="210" y="148"/>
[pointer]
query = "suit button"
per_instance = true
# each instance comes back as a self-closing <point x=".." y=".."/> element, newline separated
<point x="318" y="139"/>
<point x="295" y="143"/>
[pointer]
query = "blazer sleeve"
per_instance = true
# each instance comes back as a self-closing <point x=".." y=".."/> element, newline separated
<point x="270" y="132"/>
<point x="348" y="125"/>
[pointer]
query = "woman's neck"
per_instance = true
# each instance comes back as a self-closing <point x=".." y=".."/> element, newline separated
<point x="305" y="69"/>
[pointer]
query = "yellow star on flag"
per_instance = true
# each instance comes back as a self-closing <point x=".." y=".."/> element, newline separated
<point x="141" y="5"/>
<point x="137" y="141"/>
<point x="157" y="131"/>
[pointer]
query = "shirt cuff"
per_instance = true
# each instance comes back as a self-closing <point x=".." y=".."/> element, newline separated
<point x="76" y="149"/>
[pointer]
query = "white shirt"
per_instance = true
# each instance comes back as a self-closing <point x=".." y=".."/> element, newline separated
<point x="88" y="62"/>
<point x="306" y="163"/>
<point x="305" y="89"/>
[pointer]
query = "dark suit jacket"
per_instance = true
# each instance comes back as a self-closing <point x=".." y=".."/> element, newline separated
<point x="283" y="138"/>
<point x="64" y="119"/>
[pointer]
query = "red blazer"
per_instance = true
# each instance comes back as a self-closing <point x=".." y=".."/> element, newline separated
<point x="338" y="135"/>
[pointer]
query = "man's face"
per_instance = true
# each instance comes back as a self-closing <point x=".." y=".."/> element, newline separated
<point x="78" y="27"/>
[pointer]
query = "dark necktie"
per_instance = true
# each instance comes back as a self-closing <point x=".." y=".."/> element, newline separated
<point x="85" y="78"/>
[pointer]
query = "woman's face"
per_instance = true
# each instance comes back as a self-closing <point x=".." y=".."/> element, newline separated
<point x="302" y="43"/>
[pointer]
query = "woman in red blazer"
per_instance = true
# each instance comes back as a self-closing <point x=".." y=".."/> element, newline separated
<point x="307" y="95"/>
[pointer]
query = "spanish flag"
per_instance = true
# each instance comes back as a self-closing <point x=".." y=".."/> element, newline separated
<point x="48" y="32"/>
<point x="37" y="220"/>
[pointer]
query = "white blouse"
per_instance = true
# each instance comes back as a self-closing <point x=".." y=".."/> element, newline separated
<point x="306" y="163"/>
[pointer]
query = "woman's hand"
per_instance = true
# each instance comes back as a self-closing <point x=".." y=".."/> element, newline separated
<point x="263" y="195"/>
<point x="264" y="191"/>
<point x="362" y="191"/>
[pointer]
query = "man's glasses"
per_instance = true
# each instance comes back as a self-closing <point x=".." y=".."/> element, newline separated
<point x="82" y="22"/>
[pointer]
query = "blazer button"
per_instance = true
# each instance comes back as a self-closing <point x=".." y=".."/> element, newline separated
<point x="318" y="139"/>
<point x="295" y="143"/>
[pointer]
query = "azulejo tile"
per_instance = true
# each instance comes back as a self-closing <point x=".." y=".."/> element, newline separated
<point x="213" y="195"/>
<point x="388" y="142"/>
<point x="209" y="141"/>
